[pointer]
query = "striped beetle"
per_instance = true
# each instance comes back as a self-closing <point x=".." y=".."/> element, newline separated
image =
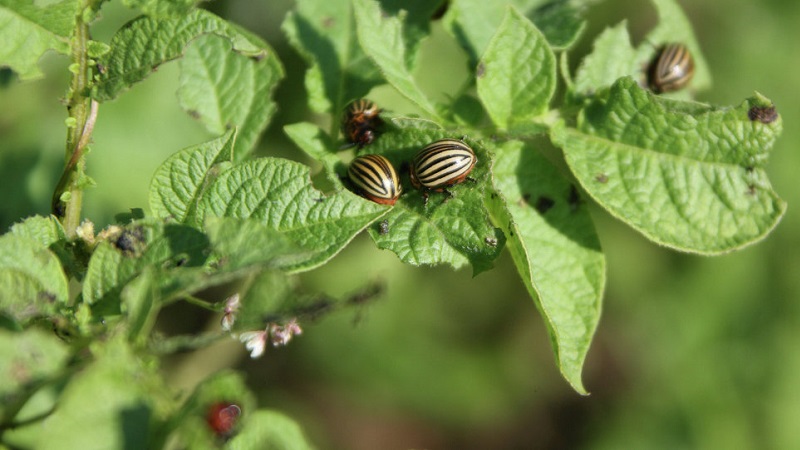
<point x="442" y="164"/>
<point x="672" y="69"/>
<point x="360" y="122"/>
<point x="375" y="179"/>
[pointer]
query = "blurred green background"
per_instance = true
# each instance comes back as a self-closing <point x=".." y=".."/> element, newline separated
<point x="691" y="352"/>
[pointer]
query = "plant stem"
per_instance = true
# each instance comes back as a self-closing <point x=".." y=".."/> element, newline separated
<point x="83" y="110"/>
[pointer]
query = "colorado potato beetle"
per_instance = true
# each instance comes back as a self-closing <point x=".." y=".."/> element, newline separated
<point x="375" y="179"/>
<point x="672" y="69"/>
<point x="360" y="122"/>
<point x="442" y="164"/>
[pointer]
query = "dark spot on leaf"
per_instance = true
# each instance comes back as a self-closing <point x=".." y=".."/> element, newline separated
<point x="524" y="200"/>
<point x="601" y="178"/>
<point x="328" y="22"/>
<point x="490" y="241"/>
<point x="479" y="72"/>
<point x="751" y="189"/>
<point x="544" y="203"/>
<point x="181" y="261"/>
<point x="59" y="209"/>
<point x="101" y="68"/>
<point x="441" y="10"/>
<point x="45" y="296"/>
<point x="573" y="198"/>
<point x="763" y="114"/>
<point x="385" y="15"/>
<point x="494" y="195"/>
<point x="194" y="114"/>
<point x="131" y="242"/>
<point x="384" y="227"/>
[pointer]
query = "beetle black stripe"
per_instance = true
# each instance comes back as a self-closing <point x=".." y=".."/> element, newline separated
<point x="443" y="163"/>
<point x="672" y="69"/>
<point x="375" y="177"/>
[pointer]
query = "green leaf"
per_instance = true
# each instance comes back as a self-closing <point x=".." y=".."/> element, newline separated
<point x="270" y="297"/>
<point x="32" y="282"/>
<point x="613" y="57"/>
<point x="44" y="230"/>
<point x="224" y="89"/>
<point x="323" y="32"/>
<point x="179" y="182"/>
<point x="143" y="44"/>
<point x="28" y="31"/>
<point x="162" y="8"/>
<point x="312" y="140"/>
<point x="674" y="26"/>
<point x="517" y="73"/>
<point x="554" y="245"/>
<point x="266" y="429"/>
<point x="416" y="15"/>
<point x="116" y="262"/>
<point x="278" y="193"/>
<point x="140" y="303"/>
<point x="451" y="231"/>
<point x="249" y="244"/>
<point x="473" y="22"/>
<point x="560" y="21"/>
<point x="381" y="37"/>
<point x="29" y="358"/>
<point x="687" y="176"/>
<point x="109" y="404"/>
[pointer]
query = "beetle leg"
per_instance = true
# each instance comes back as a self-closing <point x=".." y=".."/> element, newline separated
<point x="448" y="195"/>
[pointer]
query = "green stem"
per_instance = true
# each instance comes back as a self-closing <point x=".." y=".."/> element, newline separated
<point x="83" y="110"/>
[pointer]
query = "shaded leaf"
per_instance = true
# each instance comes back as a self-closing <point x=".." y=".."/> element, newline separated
<point x="179" y="182"/>
<point x="249" y="244"/>
<point x="316" y="144"/>
<point x="32" y="282"/>
<point x="29" y="358"/>
<point x="27" y="31"/>
<point x="612" y="57"/>
<point x="517" y="73"/>
<point x="279" y="194"/>
<point x="140" y="303"/>
<point x="128" y="390"/>
<point x="225" y="89"/>
<point x="145" y="43"/>
<point x="143" y="244"/>
<point x="324" y="34"/>
<point x="473" y="22"/>
<point x="270" y="430"/>
<point x="381" y="38"/>
<point x="560" y="22"/>
<point x="555" y="248"/>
